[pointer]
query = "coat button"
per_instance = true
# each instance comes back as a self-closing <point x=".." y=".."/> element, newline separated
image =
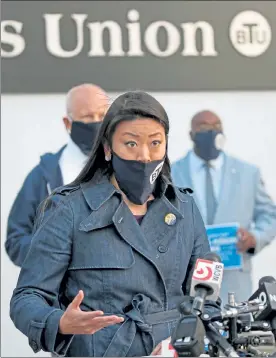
<point x="162" y="249"/>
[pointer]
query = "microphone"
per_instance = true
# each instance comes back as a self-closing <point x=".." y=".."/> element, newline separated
<point x="206" y="281"/>
<point x="269" y="279"/>
<point x="188" y="336"/>
<point x="266" y="294"/>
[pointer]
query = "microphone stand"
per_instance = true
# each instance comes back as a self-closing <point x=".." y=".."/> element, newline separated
<point x="218" y="340"/>
<point x="233" y="332"/>
<point x="185" y="329"/>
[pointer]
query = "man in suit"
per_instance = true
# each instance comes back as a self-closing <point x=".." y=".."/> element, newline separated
<point x="86" y="105"/>
<point x="227" y="190"/>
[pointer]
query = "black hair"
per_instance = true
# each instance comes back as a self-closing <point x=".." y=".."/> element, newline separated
<point x="128" y="106"/>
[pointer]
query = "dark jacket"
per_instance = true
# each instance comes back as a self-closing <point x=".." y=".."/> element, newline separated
<point x="43" y="179"/>
<point x="91" y="241"/>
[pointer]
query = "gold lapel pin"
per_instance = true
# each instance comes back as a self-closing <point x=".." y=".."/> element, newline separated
<point x="170" y="219"/>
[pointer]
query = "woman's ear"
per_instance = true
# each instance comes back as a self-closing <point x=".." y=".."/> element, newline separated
<point x="107" y="151"/>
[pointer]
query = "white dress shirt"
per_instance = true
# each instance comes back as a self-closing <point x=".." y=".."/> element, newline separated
<point x="198" y="177"/>
<point x="71" y="162"/>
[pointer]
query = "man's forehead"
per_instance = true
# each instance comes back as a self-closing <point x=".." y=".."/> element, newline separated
<point x="205" y="117"/>
<point x="83" y="111"/>
<point x="95" y="101"/>
<point x="90" y="95"/>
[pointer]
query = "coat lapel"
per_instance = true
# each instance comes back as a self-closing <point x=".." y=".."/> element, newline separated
<point x="108" y="208"/>
<point x="156" y="227"/>
<point x="128" y="228"/>
<point x="227" y="191"/>
<point x="153" y="229"/>
<point x="154" y="235"/>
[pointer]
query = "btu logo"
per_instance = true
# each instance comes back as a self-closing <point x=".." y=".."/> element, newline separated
<point x="250" y="33"/>
<point x="203" y="270"/>
<point x="156" y="172"/>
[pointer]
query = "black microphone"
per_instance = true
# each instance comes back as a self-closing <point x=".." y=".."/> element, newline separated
<point x="266" y="294"/>
<point x="268" y="279"/>
<point x="188" y="337"/>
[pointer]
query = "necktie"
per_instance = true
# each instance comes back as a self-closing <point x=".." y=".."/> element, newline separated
<point x="211" y="203"/>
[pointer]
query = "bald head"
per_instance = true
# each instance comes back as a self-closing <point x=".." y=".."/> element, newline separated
<point x="86" y="103"/>
<point x="205" y="121"/>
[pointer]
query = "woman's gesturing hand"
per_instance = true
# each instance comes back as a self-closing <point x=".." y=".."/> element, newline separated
<point x="76" y="321"/>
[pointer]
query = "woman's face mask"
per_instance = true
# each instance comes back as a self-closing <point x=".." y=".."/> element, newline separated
<point x="136" y="179"/>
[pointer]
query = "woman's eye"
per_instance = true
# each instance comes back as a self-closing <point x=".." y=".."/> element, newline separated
<point x="155" y="143"/>
<point x="131" y="144"/>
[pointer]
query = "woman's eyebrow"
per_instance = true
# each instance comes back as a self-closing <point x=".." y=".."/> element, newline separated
<point x="131" y="134"/>
<point x="155" y="134"/>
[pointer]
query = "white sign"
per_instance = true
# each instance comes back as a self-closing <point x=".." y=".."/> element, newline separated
<point x="250" y="33"/>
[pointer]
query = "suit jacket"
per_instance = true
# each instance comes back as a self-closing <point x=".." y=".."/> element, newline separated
<point x="243" y="199"/>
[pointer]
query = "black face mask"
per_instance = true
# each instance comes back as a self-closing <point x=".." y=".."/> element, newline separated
<point x="85" y="134"/>
<point x="208" y="144"/>
<point x="136" y="179"/>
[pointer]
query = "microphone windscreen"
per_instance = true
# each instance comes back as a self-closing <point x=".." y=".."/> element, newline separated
<point x="266" y="279"/>
<point x="212" y="256"/>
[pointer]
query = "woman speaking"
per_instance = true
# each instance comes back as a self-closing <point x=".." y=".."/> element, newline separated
<point x="116" y="248"/>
